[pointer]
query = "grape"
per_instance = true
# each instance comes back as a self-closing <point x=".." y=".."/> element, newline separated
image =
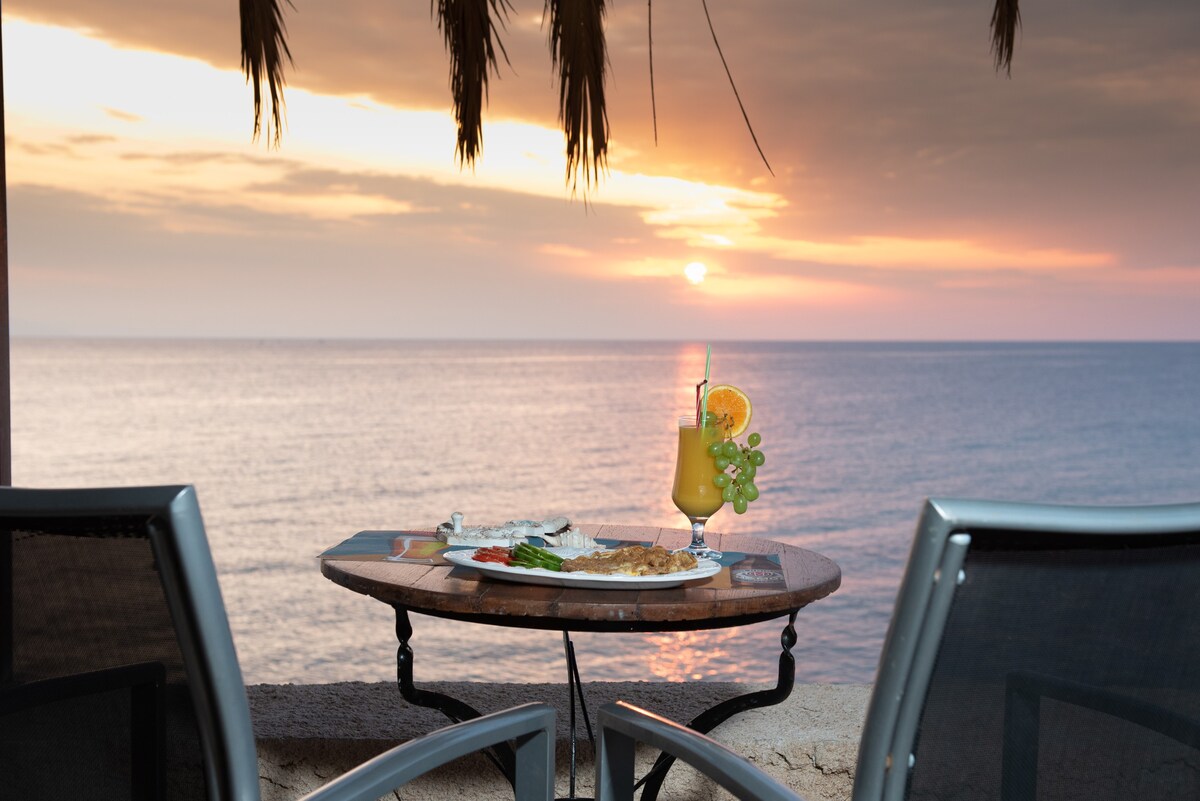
<point x="737" y="486"/>
<point x="710" y="418"/>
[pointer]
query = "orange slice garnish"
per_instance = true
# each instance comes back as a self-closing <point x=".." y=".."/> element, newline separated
<point x="731" y="406"/>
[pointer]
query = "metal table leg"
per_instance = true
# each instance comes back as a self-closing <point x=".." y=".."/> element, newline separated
<point x="708" y="720"/>
<point x="456" y="710"/>
<point x="575" y="686"/>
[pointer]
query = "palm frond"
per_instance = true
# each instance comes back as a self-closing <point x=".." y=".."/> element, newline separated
<point x="738" y="97"/>
<point x="650" y="50"/>
<point x="467" y="28"/>
<point x="264" y="48"/>
<point x="578" y="50"/>
<point x="1006" y="19"/>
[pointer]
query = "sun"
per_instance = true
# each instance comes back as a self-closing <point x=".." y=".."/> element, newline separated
<point x="695" y="272"/>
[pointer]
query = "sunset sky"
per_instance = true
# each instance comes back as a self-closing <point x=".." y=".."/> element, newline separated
<point x="917" y="193"/>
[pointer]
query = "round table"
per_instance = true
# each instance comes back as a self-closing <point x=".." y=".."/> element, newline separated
<point x="462" y="593"/>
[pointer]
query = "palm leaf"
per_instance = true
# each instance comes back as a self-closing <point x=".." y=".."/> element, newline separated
<point x="467" y="28"/>
<point x="736" y="95"/>
<point x="263" y="51"/>
<point x="650" y="52"/>
<point x="1006" y="19"/>
<point x="578" y="50"/>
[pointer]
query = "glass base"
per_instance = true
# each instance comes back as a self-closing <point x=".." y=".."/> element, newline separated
<point x="697" y="547"/>
<point x="703" y="552"/>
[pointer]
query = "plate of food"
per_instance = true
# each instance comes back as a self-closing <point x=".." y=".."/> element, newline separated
<point x="634" y="567"/>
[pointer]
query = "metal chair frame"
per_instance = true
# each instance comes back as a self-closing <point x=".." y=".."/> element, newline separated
<point x="935" y="569"/>
<point x="173" y="524"/>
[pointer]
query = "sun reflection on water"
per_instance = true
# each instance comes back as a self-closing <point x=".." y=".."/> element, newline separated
<point x="690" y="655"/>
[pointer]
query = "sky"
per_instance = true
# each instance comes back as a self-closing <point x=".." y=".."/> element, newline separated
<point x="916" y="194"/>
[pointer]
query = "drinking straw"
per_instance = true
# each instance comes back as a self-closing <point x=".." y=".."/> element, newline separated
<point x="704" y="400"/>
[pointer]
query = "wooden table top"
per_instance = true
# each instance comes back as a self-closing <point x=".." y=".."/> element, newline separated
<point x="461" y="593"/>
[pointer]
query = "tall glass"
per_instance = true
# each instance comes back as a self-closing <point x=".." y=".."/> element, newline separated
<point x="694" y="493"/>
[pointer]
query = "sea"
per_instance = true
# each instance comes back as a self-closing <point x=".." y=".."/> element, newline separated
<point x="294" y="446"/>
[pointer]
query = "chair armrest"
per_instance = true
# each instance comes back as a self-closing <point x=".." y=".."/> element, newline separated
<point x="144" y="675"/>
<point x="623" y="725"/>
<point x="531" y="726"/>
<point x="146" y="682"/>
<point x="1024" y="691"/>
<point x="1028" y="687"/>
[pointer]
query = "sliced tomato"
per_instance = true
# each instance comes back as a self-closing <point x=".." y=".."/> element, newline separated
<point x="494" y="553"/>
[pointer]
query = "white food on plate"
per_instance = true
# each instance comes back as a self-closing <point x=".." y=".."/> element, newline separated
<point x="571" y="538"/>
<point x="512" y="532"/>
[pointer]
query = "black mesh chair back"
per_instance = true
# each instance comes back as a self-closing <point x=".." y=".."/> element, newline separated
<point x="100" y="589"/>
<point x="1041" y="652"/>
<point x="118" y="675"/>
<point x="1035" y="652"/>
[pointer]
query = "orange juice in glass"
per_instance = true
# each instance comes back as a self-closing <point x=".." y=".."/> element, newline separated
<point x="694" y="493"/>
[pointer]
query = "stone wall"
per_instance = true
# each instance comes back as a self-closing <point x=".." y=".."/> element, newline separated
<point x="308" y="734"/>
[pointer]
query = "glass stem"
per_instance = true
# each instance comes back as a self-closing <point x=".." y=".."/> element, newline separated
<point x="698" y="534"/>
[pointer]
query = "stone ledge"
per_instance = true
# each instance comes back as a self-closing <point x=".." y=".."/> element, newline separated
<point x="308" y="734"/>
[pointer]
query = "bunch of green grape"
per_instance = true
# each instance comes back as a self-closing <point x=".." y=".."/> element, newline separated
<point x="737" y="487"/>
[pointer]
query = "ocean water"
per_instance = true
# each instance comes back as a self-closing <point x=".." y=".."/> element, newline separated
<point x="296" y="445"/>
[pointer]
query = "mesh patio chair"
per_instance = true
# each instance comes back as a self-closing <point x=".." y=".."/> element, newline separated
<point x="118" y="676"/>
<point x="1035" y="652"/>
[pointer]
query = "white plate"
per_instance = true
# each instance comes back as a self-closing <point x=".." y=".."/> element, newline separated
<point x="523" y="575"/>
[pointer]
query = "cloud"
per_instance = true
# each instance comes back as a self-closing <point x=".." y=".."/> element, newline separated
<point x="90" y="139"/>
<point x="185" y="158"/>
<point x="123" y="116"/>
<point x="947" y="255"/>
<point x="905" y="165"/>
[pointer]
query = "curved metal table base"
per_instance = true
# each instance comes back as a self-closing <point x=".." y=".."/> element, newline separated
<point x="709" y="719"/>
<point x="501" y="754"/>
<point x="651" y="783"/>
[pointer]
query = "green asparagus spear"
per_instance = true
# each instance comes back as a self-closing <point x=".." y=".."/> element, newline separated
<point x="526" y="555"/>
